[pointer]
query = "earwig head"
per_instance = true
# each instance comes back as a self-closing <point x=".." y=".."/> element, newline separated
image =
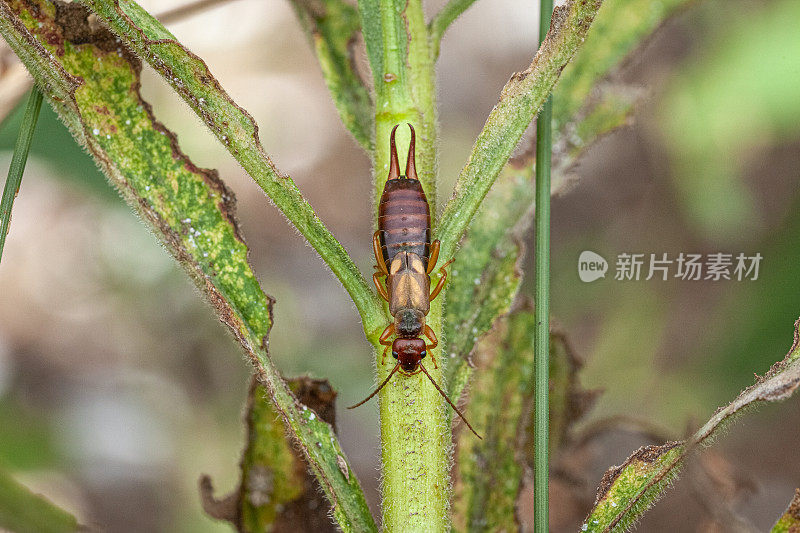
<point x="409" y="322"/>
<point x="394" y="165"/>
<point x="408" y="352"/>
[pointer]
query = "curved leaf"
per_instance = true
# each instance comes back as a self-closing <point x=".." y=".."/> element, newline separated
<point x="520" y="101"/>
<point x="627" y="491"/>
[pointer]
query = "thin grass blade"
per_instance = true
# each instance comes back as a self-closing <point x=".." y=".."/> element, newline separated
<point x="18" y="160"/>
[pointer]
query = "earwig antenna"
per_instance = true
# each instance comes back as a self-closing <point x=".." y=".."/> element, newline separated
<point x="411" y="169"/>
<point x="394" y="166"/>
<point x="448" y="401"/>
<point x="376" y="391"/>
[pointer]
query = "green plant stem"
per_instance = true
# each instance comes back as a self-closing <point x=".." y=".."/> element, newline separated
<point x="415" y="432"/>
<point x="18" y="161"/>
<point x="541" y="333"/>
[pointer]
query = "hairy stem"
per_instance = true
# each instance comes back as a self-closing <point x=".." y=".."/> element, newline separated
<point x="414" y="429"/>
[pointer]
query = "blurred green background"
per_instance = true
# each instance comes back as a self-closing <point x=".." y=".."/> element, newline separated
<point x="118" y="387"/>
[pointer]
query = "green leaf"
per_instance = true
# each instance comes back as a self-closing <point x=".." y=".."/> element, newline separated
<point x="501" y="407"/>
<point x="618" y="29"/>
<point x="235" y="128"/>
<point x="333" y="26"/>
<point x="790" y="521"/>
<point x="18" y="160"/>
<point x="22" y="511"/>
<point x="94" y="85"/>
<point x="521" y="99"/>
<point x="490" y="470"/>
<point x="627" y="491"/>
<point x="609" y="107"/>
<point x="588" y="101"/>
<point x="485" y="276"/>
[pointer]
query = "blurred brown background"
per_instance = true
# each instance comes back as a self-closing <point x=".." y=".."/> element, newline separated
<point x="118" y="387"/>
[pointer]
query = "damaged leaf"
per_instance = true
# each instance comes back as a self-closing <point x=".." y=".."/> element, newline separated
<point x="93" y="83"/>
<point x="628" y="490"/>
<point x="237" y="131"/>
<point x="491" y="471"/>
<point x="790" y="521"/>
<point x="485" y="276"/>
<point x="276" y="491"/>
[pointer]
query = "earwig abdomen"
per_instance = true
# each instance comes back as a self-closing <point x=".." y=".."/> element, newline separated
<point x="404" y="219"/>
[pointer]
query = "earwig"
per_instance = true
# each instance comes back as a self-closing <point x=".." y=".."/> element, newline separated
<point x="406" y="257"/>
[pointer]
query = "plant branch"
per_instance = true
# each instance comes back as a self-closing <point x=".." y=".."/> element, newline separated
<point x="520" y="101"/>
<point x="332" y="27"/>
<point x="442" y="20"/>
<point x="18" y="160"/>
<point x="235" y="128"/>
<point x="94" y="87"/>
<point x="398" y="48"/>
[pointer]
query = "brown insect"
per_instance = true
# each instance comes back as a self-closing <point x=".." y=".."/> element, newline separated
<point x="406" y="257"/>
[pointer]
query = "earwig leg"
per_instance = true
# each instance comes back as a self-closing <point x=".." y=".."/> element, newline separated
<point x="440" y="285"/>
<point x="384" y="340"/>
<point x="381" y="289"/>
<point x="376" y="247"/>
<point x="383" y="356"/>
<point x="433" y="256"/>
<point x="434" y="343"/>
<point x="388" y="332"/>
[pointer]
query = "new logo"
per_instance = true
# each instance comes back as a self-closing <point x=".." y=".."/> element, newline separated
<point x="591" y="266"/>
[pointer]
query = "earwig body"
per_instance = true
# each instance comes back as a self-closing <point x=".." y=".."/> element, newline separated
<point x="406" y="257"/>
